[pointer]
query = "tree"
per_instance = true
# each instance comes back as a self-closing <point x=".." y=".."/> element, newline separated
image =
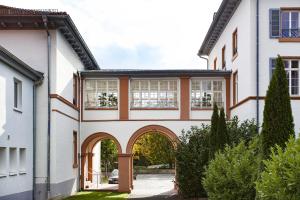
<point x="222" y="134"/>
<point x="213" y="131"/>
<point x="278" y="123"/>
<point x="109" y="154"/>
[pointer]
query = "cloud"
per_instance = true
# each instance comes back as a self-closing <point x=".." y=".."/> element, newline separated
<point x="168" y="32"/>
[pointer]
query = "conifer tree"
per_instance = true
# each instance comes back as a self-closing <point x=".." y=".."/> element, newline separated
<point x="278" y="123"/>
<point x="222" y="134"/>
<point x="213" y="132"/>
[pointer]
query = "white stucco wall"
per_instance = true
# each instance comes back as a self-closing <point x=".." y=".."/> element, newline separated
<point x="16" y="130"/>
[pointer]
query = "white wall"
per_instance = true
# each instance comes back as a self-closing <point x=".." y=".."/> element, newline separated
<point x="16" y="129"/>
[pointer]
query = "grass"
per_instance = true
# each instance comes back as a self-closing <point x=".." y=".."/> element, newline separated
<point x="98" y="196"/>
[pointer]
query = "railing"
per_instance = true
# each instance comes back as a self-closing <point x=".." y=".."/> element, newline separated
<point x="98" y="174"/>
<point x="290" y="33"/>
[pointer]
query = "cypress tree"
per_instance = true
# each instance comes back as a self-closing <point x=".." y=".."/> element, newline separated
<point x="278" y="123"/>
<point x="213" y="132"/>
<point x="222" y="135"/>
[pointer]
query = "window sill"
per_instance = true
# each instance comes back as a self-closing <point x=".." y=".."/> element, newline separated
<point x="294" y="39"/>
<point x="18" y="110"/>
<point x="22" y="172"/>
<point x="101" y="109"/>
<point x="3" y="175"/>
<point x="14" y="173"/>
<point x="153" y="108"/>
<point x="234" y="57"/>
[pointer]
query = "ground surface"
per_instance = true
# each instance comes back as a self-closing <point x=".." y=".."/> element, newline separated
<point x="98" y="196"/>
<point x="153" y="186"/>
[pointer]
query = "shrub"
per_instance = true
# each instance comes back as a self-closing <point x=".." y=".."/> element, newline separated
<point x="278" y="123"/>
<point x="191" y="157"/>
<point x="222" y="135"/>
<point x="281" y="178"/>
<point x="213" y="137"/>
<point x="232" y="174"/>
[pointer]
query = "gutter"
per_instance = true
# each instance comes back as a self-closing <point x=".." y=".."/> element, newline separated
<point x="207" y="67"/>
<point x="257" y="65"/>
<point x="45" y="20"/>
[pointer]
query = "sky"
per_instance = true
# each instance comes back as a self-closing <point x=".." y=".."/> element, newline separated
<point x="138" y="34"/>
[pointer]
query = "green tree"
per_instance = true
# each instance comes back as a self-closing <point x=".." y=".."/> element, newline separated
<point x="281" y="178"/>
<point x="213" y="140"/>
<point x="278" y="123"/>
<point x="222" y="135"/>
<point x="109" y="154"/>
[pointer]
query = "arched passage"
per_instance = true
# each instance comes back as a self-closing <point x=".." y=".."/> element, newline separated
<point x="86" y="152"/>
<point x="140" y="132"/>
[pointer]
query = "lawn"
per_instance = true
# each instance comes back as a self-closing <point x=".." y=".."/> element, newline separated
<point x="98" y="196"/>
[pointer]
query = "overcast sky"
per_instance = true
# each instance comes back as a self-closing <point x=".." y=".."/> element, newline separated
<point x="152" y="34"/>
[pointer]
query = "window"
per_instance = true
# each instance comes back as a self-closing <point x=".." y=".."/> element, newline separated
<point x="235" y="43"/>
<point x="215" y="63"/>
<point x="235" y="88"/>
<point x="206" y="92"/>
<point x="13" y="161"/>
<point x="284" y="23"/>
<point x="75" y="152"/>
<point x="75" y="90"/>
<point x="153" y="93"/>
<point x="223" y="57"/>
<point x="3" y="158"/>
<point x="292" y="72"/>
<point x="101" y="93"/>
<point x="22" y="160"/>
<point x="17" y="94"/>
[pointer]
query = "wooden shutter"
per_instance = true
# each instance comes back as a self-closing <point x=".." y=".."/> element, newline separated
<point x="274" y="23"/>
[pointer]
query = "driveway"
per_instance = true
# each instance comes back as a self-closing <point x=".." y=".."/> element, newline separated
<point x="153" y="186"/>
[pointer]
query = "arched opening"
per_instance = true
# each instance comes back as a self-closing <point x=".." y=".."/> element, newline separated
<point x="94" y="159"/>
<point x="157" y="175"/>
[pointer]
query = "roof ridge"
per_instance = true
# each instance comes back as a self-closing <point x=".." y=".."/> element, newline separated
<point x="14" y="10"/>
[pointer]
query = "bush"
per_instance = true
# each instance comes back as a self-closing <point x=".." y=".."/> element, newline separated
<point x="232" y="174"/>
<point x="281" y="178"/>
<point x="191" y="157"/>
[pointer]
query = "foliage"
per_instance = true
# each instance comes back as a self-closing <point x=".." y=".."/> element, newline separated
<point x="213" y="138"/>
<point x="98" y="196"/>
<point x="107" y="100"/>
<point x="278" y="123"/>
<point x="232" y="173"/>
<point x="281" y="178"/>
<point x="109" y="154"/>
<point x="238" y="131"/>
<point x="222" y="134"/>
<point x="154" y="148"/>
<point x="192" y="155"/>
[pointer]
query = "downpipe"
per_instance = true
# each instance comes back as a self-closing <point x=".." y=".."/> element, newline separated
<point x="206" y="59"/>
<point x="257" y="65"/>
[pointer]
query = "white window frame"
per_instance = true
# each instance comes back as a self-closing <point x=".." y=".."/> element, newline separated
<point x="176" y="103"/>
<point x="107" y="91"/>
<point x="290" y="23"/>
<point x="201" y="105"/>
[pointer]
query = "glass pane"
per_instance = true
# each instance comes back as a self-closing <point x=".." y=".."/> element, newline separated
<point x="294" y="82"/>
<point x="144" y="85"/>
<point x="195" y="85"/>
<point x="285" y="24"/>
<point x="154" y="85"/>
<point x="134" y="85"/>
<point x="295" y="64"/>
<point x="163" y="85"/>
<point x="295" y="24"/>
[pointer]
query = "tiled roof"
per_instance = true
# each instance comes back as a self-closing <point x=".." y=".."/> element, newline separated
<point x="17" y="18"/>
<point x="221" y="19"/>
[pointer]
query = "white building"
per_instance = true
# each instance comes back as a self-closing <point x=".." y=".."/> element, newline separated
<point x="78" y="104"/>
<point x="18" y="84"/>
<point x="247" y="35"/>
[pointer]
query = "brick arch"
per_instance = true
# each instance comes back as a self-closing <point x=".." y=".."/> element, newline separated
<point x="151" y="128"/>
<point x="88" y="144"/>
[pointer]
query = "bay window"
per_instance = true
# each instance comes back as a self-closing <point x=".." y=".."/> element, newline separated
<point x="206" y="92"/>
<point x="153" y="93"/>
<point x="101" y="93"/>
<point x="292" y="73"/>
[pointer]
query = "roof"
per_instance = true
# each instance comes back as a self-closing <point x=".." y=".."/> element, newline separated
<point x="12" y="18"/>
<point x="17" y="64"/>
<point x="221" y="19"/>
<point x="155" y="73"/>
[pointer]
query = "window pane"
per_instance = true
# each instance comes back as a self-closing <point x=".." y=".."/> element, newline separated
<point x="294" y="82"/>
<point x="295" y="64"/>
<point x="285" y="23"/>
<point x="295" y="24"/>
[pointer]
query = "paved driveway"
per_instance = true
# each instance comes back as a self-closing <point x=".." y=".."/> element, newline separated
<point x="153" y="186"/>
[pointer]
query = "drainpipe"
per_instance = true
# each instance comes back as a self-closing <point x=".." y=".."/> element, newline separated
<point x="37" y="83"/>
<point x="257" y="64"/>
<point x="79" y="131"/>
<point x="207" y="67"/>
<point x="45" y="20"/>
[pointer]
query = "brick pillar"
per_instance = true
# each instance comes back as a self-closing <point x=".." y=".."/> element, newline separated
<point x="124" y="90"/>
<point x="124" y="172"/>
<point x="184" y="98"/>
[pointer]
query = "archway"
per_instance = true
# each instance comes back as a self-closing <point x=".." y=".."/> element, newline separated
<point x="87" y="148"/>
<point x="150" y="129"/>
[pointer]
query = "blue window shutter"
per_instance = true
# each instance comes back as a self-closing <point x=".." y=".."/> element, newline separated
<point x="274" y="23"/>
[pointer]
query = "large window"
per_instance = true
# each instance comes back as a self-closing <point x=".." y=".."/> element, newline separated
<point x="153" y="93"/>
<point x="206" y="92"/>
<point x="101" y="93"/>
<point x="292" y="72"/>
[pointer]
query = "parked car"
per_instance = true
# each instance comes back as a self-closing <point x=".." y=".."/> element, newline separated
<point x="114" y="177"/>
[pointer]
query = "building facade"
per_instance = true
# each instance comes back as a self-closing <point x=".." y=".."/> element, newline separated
<point x="245" y="37"/>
